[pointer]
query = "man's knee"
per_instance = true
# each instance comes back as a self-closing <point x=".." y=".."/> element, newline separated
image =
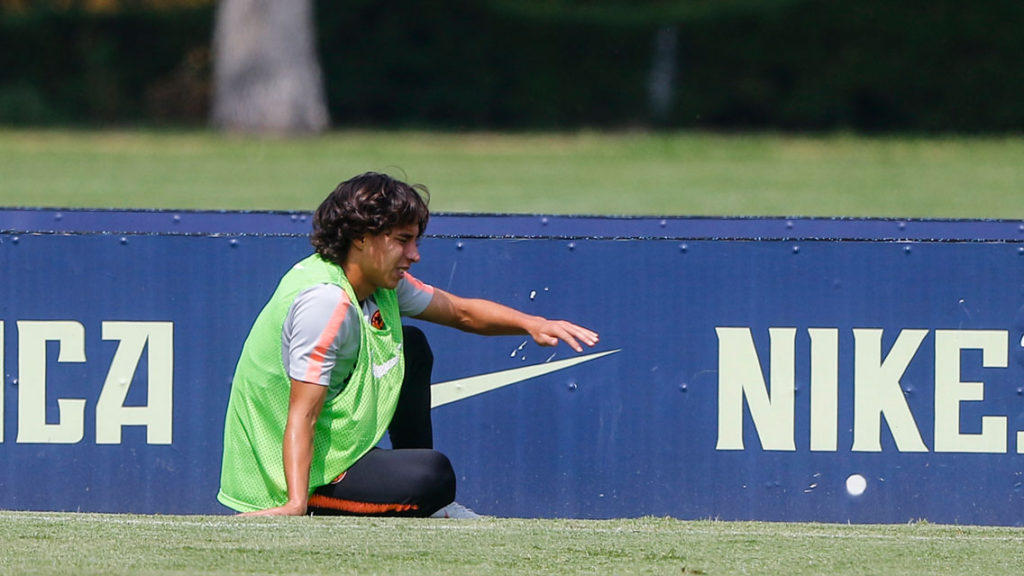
<point x="436" y="472"/>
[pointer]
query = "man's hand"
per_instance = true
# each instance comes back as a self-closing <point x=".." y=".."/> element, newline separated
<point x="549" y="332"/>
<point x="286" y="510"/>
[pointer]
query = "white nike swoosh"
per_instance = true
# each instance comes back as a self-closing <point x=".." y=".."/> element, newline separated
<point x="379" y="370"/>
<point x="455" y="390"/>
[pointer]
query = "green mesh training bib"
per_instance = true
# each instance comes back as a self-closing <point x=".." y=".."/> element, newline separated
<point x="350" y="424"/>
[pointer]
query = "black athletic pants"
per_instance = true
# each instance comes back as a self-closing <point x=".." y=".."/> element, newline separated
<point x="411" y="479"/>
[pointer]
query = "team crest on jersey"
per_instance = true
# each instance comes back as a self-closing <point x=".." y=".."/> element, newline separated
<point x="377" y="321"/>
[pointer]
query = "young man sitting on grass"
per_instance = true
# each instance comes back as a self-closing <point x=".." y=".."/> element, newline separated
<point x="327" y="368"/>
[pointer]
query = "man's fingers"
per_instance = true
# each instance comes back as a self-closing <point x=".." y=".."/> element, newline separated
<point x="569" y="333"/>
<point x="572" y="343"/>
<point x="580" y="333"/>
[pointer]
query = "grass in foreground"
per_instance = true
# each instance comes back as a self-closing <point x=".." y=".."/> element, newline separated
<point x="82" y="544"/>
<point x="570" y="173"/>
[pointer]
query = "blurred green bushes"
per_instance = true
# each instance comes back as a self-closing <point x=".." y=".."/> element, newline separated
<point x="77" y="66"/>
<point x="871" y="65"/>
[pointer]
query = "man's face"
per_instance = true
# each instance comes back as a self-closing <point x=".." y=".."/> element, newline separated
<point x="391" y="254"/>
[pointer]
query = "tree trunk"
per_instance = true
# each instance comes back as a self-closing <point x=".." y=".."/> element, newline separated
<point x="661" y="81"/>
<point x="266" y="73"/>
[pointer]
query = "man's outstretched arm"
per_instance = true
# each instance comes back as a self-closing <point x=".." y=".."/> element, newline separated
<point x="489" y="318"/>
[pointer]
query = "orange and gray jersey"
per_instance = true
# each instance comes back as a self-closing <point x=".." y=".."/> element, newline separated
<point x="321" y="336"/>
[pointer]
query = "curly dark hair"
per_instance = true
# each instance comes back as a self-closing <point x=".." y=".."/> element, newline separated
<point x="370" y="203"/>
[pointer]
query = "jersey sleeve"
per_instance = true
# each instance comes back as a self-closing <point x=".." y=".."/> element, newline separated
<point x="413" y="295"/>
<point x="317" y="333"/>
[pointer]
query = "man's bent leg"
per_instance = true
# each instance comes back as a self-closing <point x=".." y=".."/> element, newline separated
<point x="411" y="426"/>
<point x="389" y="483"/>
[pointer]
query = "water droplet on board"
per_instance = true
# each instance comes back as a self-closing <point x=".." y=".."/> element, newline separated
<point x="518" y="349"/>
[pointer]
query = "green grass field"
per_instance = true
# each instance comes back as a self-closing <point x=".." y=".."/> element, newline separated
<point x="84" y="544"/>
<point x="581" y="173"/>
<point x="577" y="173"/>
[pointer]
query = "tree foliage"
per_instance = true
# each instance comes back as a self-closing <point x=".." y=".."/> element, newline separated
<point x="643" y="13"/>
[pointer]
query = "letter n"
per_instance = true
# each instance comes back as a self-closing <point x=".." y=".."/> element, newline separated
<point x="740" y="376"/>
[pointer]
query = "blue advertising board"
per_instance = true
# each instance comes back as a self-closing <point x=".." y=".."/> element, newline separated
<point x="763" y="369"/>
